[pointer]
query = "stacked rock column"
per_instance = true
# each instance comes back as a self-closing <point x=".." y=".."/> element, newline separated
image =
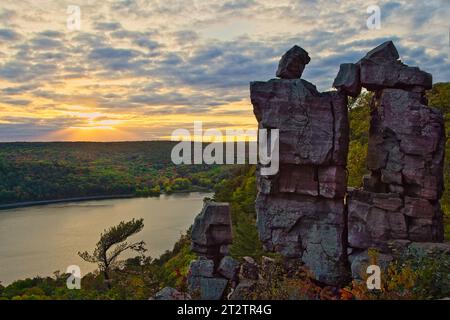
<point x="300" y="210"/>
<point x="210" y="275"/>
<point x="399" y="201"/>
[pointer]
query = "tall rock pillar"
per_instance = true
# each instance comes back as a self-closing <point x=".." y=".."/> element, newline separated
<point x="399" y="201"/>
<point x="300" y="209"/>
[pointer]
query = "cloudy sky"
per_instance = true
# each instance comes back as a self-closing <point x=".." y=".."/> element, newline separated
<point x="138" y="69"/>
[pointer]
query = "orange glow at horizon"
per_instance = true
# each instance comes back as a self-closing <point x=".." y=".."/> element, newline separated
<point x="97" y="134"/>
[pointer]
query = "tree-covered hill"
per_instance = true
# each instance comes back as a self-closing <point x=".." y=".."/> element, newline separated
<point x="59" y="170"/>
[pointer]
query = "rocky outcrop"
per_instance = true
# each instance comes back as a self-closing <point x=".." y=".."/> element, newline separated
<point x="211" y="232"/>
<point x="381" y="69"/>
<point x="293" y="63"/>
<point x="209" y="275"/>
<point x="348" y="79"/>
<point x="400" y="197"/>
<point x="300" y="210"/>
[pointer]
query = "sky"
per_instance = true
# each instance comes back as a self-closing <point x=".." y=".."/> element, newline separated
<point x="139" y="69"/>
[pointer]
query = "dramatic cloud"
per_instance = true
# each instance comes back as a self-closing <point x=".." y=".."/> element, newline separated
<point x="138" y="69"/>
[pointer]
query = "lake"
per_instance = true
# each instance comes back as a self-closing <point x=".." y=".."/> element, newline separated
<point x="42" y="239"/>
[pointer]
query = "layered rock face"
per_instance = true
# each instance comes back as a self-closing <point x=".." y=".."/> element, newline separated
<point x="300" y="210"/>
<point x="400" y="198"/>
<point x="211" y="232"/>
<point x="211" y="236"/>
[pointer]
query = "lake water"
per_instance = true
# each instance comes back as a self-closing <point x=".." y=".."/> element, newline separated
<point x="40" y="240"/>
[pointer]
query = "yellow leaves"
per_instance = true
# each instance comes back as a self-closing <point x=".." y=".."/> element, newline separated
<point x="400" y="280"/>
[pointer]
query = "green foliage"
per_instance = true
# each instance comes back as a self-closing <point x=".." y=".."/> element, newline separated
<point x="172" y="267"/>
<point x="105" y="255"/>
<point x="414" y="275"/>
<point x="287" y="280"/>
<point x="359" y="117"/>
<point x="60" y="170"/>
<point x="439" y="97"/>
<point x="240" y="192"/>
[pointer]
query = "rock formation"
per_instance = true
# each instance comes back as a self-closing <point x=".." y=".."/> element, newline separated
<point x="400" y="198"/>
<point x="211" y="232"/>
<point x="305" y="211"/>
<point x="293" y="63"/>
<point x="301" y="210"/>
<point x="209" y="275"/>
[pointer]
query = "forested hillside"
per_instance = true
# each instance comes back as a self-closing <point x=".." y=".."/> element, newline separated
<point x="49" y="171"/>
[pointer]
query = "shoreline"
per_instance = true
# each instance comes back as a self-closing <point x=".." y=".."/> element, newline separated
<point x="26" y="204"/>
<point x="65" y="200"/>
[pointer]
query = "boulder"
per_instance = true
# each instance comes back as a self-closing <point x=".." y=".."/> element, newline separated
<point x="348" y="79"/>
<point x="208" y="288"/>
<point x="385" y="52"/>
<point x="212" y="230"/>
<point x="228" y="267"/>
<point x="380" y="69"/>
<point x="313" y="126"/>
<point x="293" y="63"/>
<point x="377" y="75"/>
<point x="212" y="288"/>
<point x="361" y="260"/>
<point x="202" y="267"/>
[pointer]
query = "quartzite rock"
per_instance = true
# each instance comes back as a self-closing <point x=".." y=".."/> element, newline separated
<point x="293" y="63"/>
<point x="211" y="231"/>
<point x="300" y="210"/>
<point x="327" y="181"/>
<point x="385" y="51"/>
<point x="348" y="79"/>
<point x="228" y="267"/>
<point x="202" y="267"/>
<point x="380" y="69"/>
<point x="306" y="228"/>
<point x="207" y="288"/>
<point x="313" y="126"/>
<point x="406" y="143"/>
<point x="371" y="226"/>
<point x="361" y="260"/>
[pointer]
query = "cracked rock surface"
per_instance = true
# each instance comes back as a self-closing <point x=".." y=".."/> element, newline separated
<point x="300" y="210"/>
<point x="305" y="210"/>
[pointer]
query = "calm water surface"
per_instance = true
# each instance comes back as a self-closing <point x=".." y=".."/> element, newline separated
<point x="40" y="240"/>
